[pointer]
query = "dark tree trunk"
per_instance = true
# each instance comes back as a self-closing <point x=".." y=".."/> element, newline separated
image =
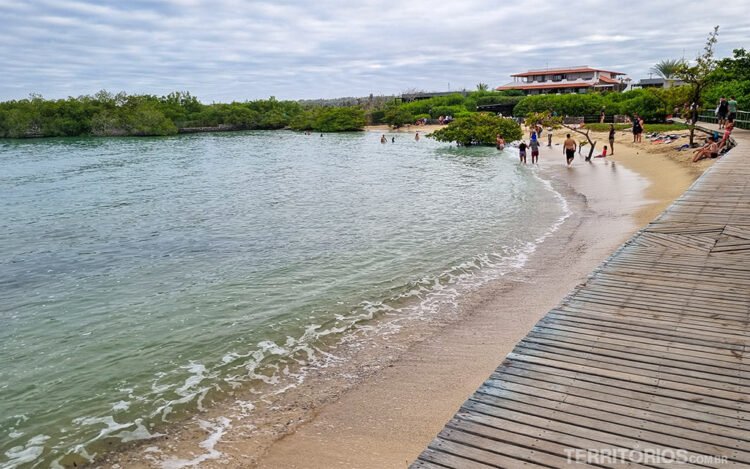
<point x="592" y="144"/>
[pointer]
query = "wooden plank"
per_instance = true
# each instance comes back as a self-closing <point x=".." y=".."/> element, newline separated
<point x="646" y="356"/>
<point x="627" y="410"/>
<point x="513" y="446"/>
<point x="443" y="459"/>
<point x="654" y="379"/>
<point x="471" y="453"/>
<point x="612" y="433"/>
<point x="599" y="361"/>
<point x="579" y="384"/>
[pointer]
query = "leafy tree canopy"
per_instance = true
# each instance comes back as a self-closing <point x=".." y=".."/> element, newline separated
<point x="479" y="128"/>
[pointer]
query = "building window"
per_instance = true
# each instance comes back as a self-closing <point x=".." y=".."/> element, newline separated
<point x="559" y="77"/>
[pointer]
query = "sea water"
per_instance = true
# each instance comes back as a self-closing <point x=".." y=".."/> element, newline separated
<point x="140" y="276"/>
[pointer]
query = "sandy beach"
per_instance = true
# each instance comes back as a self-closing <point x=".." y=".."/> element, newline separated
<point x="382" y="406"/>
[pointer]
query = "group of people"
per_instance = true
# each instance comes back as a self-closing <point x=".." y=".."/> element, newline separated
<point x="384" y="139"/>
<point x="569" y="145"/>
<point x="445" y="120"/>
<point x="713" y="146"/>
<point x="533" y="146"/>
<point x="726" y="111"/>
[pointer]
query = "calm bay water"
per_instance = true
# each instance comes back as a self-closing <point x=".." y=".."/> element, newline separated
<point x="139" y="276"/>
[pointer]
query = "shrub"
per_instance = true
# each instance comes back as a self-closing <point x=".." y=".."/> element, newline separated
<point x="478" y="129"/>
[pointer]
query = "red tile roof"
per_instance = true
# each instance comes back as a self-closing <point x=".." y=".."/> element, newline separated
<point x="544" y="86"/>
<point x="552" y="71"/>
<point x="609" y="80"/>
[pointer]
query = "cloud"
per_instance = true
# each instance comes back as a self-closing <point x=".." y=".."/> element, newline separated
<point x="227" y="50"/>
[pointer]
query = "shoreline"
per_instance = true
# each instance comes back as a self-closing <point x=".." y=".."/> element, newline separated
<point x="409" y="383"/>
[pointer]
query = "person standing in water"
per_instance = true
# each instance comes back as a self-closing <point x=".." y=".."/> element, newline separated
<point x="499" y="142"/>
<point x="416" y="137"/>
<point x="549" y="137"/>
<point x="383" y="139"/>
<point x="522" y="152"/>
<point x="534" y="145"/>
<point x="569" y="149"/>
<point x="612" y="138"/>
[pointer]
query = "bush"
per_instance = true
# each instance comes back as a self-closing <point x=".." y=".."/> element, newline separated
<point x="478" y="129"/>
<point x="648" y="103"/>
<point x="330" y="119"/>
<point x="397" y="116"/>
<point x="446" y="111"/>
<point x="376" y="116"/>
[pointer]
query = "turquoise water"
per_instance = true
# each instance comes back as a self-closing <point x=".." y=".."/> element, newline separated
<point x="142" y="278"/>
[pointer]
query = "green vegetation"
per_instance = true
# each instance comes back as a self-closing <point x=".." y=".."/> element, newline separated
<point x="106" y="114"/>
<point x="330" y="119"/>
<point x="397" y="116"/>
<point x="668" y="69"/>
<point x="699" y="75"/>
<point x="650" y="103"/>
<point x="478" y="128"/>
<point x="731" y="77"/>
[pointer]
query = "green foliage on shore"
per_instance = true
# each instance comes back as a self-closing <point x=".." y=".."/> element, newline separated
<point x="330" y="119"/>
<point x="457" y="104"/>
<point x="650" y="103"/>
<point x="731" y="78"/>
<point x="479" y="128"/>
<point x="397" y="116"/>
<point x="107" y="114"/>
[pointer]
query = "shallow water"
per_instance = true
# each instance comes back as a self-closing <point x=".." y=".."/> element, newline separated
<point x="142" y="278"/>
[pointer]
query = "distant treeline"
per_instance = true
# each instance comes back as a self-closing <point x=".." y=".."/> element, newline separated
<point x="107" y="114"/>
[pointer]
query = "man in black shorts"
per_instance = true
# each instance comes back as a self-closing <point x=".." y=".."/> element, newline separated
<point x="723" y="111"/>
<point x="569" y="149"/>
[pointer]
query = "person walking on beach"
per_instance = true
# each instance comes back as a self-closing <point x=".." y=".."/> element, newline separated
<point x="522" y="152"/>
<point x="612" y="138"/>
<point x="637" y="128"/>
<point x="569" y="149"/>
<point x="732" y="109"/>
<point x="722" y="111"/>
<point x="534" y="144"/>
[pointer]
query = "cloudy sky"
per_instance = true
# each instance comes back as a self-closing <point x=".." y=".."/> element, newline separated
<point x="223" y="50"/>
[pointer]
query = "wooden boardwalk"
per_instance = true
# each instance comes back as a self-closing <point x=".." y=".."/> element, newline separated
<point x="650" y="356"/>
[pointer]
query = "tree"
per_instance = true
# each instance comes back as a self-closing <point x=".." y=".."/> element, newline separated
<point x="397" y="116"/>
<point x="699" y="75"/>
<point x="483" y="87"/>
<point x="545" y="119"/>
<point x="667" y="69"/>
<point x="479" y="128"/>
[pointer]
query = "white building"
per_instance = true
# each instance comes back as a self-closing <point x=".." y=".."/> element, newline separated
<point x="579" y="79"/>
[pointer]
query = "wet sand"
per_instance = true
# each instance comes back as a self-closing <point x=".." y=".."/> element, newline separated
<point x="406" y="385"/>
